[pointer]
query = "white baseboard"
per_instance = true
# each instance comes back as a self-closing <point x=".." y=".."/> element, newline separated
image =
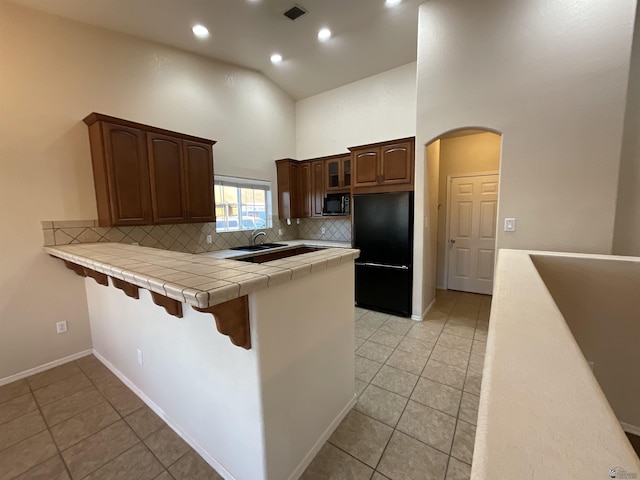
<point x="43" y="367"/>
<point x="440" y="287"/>
<point x="158" y="411"/>
<point x="297" y="473"/>
<point x="424" y="314"/>
<point x="632" y="429"/>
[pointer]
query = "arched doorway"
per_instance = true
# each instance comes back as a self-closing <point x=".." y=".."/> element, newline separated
<point x="462" y="181"/>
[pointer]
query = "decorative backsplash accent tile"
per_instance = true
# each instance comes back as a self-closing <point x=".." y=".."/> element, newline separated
<point x="335" y="230"/>
<point x="187" y="238"/>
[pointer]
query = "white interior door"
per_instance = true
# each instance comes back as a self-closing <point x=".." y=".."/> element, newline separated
<point x="472" y="207"/>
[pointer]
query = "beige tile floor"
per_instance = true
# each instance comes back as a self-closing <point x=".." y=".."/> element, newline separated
<point x="78" y="421"/>
<point x="418" y="386"/>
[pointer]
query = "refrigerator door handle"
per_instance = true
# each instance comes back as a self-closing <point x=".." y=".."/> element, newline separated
<point x="396" y="267"/>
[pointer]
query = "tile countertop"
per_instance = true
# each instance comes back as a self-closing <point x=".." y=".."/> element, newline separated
<point x="200" y="280"/>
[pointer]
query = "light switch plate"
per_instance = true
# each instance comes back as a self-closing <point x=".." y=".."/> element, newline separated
<point x="509" y="224"/>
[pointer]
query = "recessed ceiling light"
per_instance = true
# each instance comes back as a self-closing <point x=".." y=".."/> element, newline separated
<point x="324" y="34"/>
<point x="276" y="58"/>
<point x="200" y="31"/>
<point x="392" y="3"/>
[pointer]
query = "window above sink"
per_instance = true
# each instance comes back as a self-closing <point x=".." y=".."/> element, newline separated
<point x="242" y="204"/>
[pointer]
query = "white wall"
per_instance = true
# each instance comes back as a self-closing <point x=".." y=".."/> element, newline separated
<point x="54" y="73"/>
<point x="376" y="109"/>
<point x="626" y="240"/>
<point x="205" y="385"/>
<point x="306" y="362"/>
<point x="263" y="413"/>
<point x="551" y="75"/>
<point x="430" y="206"/>
<point x="599" y="301"/>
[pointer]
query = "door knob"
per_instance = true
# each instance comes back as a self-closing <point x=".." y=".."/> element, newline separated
<point x="452" y="241"/>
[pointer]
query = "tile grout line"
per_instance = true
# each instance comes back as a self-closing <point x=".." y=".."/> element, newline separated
<point x="55" y="444"/>
<point x="413" y="389"/>
<point x="126" y="423"/>
<point x="462" y="391"/>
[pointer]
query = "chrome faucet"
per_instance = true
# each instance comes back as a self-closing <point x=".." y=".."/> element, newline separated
<point x="254" y="236"/>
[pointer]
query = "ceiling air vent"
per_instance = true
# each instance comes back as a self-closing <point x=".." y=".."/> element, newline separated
<point x="295" y="12"/>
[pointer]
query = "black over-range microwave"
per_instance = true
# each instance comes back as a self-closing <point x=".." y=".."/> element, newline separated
<point x="336" y="204"/>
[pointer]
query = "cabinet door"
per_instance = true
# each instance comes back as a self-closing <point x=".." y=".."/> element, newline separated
<point x="198" y="167"/>
<point x="334" y="174"/>
<point x="317" y="188"/>
<point x="346" y="171"/>
<point x="127" y="175"/>
<point x="304" y="179"/>
<point x="166" y="167"/>
<point x="396" y="164"/>
<point x="285" y="207"/>
<point x="294" y="189"/>
<point x="366" y="167"/>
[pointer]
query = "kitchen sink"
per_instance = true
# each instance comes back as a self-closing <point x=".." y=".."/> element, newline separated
<point x="267" y="257"/>
<point x="262" y="246"/>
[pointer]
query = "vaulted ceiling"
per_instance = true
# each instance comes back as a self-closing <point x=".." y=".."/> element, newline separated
<point x="367" y="36"/>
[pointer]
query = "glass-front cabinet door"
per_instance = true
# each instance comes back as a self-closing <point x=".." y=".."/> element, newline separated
<point x="346" y="172"/>
<point x="333" y="174"/>
<point x="338" y="173"/>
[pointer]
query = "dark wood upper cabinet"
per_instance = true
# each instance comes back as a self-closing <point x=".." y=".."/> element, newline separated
<point x="145" y="175"/>
<point x="120" y="174"/>
<point x="300" y="188"/>
<point x="317" y="188"/>
<point x="304" y="186"/>
<point x="338" y="173"/>
<point x="396" y="163"/>
<point x="288" y="201"/>
<point x="366" y="166"/>
<point x="166" y="166"/>
<point x="386" y="166"/>
<point x="198" y="165"/>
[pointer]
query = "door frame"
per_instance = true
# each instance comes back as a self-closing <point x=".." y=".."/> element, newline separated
<point x="448" y="217"/>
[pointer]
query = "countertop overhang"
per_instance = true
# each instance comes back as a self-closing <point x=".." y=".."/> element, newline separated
<point x="202" y="280"/>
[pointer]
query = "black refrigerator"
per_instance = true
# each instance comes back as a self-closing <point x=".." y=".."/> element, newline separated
<point x="383" y="232"/>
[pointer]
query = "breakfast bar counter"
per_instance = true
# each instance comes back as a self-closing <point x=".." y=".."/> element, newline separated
<point x="251" y="363"/>
<point x="198" y="280"/>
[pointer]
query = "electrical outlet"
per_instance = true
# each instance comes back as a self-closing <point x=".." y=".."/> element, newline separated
<point x="323" y="230"/>
<point x="209" y="239"/>
<point x="140" y="357"/>
<point x="61" y="327"/>
<point x="280" y="232"/>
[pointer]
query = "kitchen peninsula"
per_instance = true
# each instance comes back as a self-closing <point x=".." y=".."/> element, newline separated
<point x="256" y="404"/>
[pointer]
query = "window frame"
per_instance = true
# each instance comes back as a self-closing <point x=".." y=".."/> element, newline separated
<point x="243" y="183"/>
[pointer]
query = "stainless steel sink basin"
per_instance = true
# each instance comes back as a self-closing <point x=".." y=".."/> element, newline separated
<point x="257" y="248"/>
